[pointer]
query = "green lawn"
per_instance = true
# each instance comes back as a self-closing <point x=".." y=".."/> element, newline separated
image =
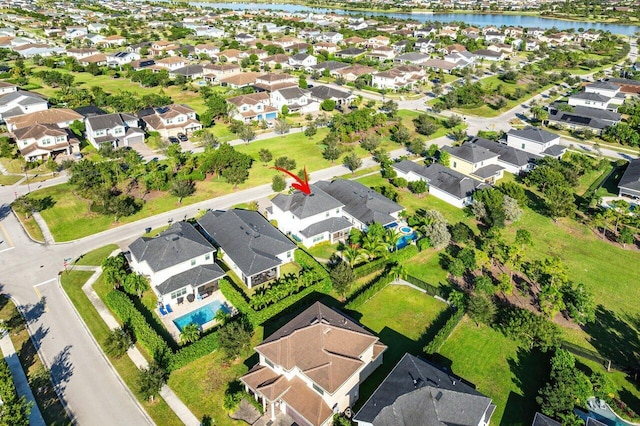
<point x="426" y="267"/>
<point x="9" y="179"/>
<point x="95" y="257"/>
<point x="323" y="251"/>
<point x="32" y="228"/>
<point x="609" y="188"/>
<point x="498" y="368"/>
<point x="72" y="283"/>
<point x="405" y="320"/>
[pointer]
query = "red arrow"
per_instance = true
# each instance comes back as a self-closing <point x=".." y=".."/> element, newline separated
<point x="300" y="184"/>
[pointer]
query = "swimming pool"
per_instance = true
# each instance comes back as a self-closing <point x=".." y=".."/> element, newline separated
<point x="200" y="316"/>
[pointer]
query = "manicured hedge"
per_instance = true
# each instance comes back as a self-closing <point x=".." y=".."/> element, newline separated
<point x="124" y="308"/>
<point x="194" y="351"/>
<point x="443" y="334"/>
<point x="369" y="290"/>
<point x="398" y="256"/>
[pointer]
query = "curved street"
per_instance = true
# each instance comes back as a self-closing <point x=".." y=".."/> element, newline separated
<point x="88" y="385"/>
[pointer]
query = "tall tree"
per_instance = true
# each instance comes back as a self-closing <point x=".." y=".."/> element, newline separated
<point x="151" y="380"/>
<point x="182" y="188"/>
<point x="342" y="278"/>
<point x="352" y="162"/>
<point x="481" y="309"/>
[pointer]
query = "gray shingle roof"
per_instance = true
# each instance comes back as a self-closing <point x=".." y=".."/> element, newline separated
<point x="291" y="93"/>
<point x="407" y="166"/>
<point x="330" y="65"/>
<point x="418" y="393"/>
<point x="555" y="150"/>
<point x="189" y="70"/>
<point x="326" y="92"/>
<point x="631" y="177"/>
<point x="333" y="224"/>
<point x="589" y="96"/>
<point x="470" y="152"/>
<point x="363" y="203"/>
<point x="534" y="134"/>
<point x="506" y="153"/>
<point x="247" y="238"/>
<point x="197" y="276"/>
<point x="600" y="114"/>
<point x="303" y="205"/>
<point x="604" y="85"/>
<point x="542" y="420"/>
<point x="109" y="121"/>
<point x="450" y="181"/>
<point x="487" y="171"/>
<point x="179" y="243"/>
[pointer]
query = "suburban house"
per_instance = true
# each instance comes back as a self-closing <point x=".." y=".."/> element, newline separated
<point x="273" y="60"/>
<point x="583" y="118"/>
<point x="231" y="55"/>
<point x="7" y="88"/>
<point x="325" y="46"/>
<point x="397" y="78"/>
<point x="302" y="61"/>
<point x="488" y="55"/>
<point x="536" y="141"/>
<point x="100" y="59"/>
<point x="80" y="53"/>
<point x="629" y="185"/>
<point x="170" y="120"/>
<point x="190" y="72"/>
<point x="417" y="392"/>
<point x="214" y="72"/>
<point x="179" y="262"/>
<point x="273" y="81"/>
<point x="350" y="53"/>
<point x="353" y="72"/>
<point x="238" y="80"/>
<point x="313" y="366"/>
<point x="320" y="93"/>
<point x="330" y="66"/>
<point x="41" y="141"/>
<point x="251" y="246"/>
<point x="61" y="117"/>
<point x="19" y="102"/>
<point x="171" y="63"/>
<point x="210" y="50"/>
<point x="121" y="58"/>
<point x="362" y="205"/>
<point x="382" y="53"/>
<point x="310" y="218"/>
<point x="411" y="58"/>
<point x="295" y="99"/>
<point x="476" y="161"/>
<point x="448" y="185"/>
<point x="541" y="420"/>
<point x="626" y="85"/>
<point x="115" y="129"/>
<point x="600" y="95"/>
<point x="113" y="40"/>
<point x="255" y="106"/>
<point x="513" y="160"/>
<point x="331" y="37"/>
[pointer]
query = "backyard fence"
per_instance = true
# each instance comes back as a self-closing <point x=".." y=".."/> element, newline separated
<point x="428" y="288"/>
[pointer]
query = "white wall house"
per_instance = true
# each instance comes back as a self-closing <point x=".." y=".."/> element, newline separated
<point x="310" y="219"/>
<point x="532" y="139"/>
<point x="295" y="99"/>
<point x="115" y="129"/>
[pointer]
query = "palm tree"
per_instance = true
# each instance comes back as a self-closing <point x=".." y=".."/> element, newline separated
<point x="351" y="253"/>
<point x="373" y="246"/>
<point x="398" y="271"/>
<point x="391" y="238"/>
<point x="190" y="333"/>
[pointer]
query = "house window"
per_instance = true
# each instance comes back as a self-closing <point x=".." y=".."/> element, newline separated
<point x="193" y="262"/>
<point x="288" y="255"/>
<point x="522" y="146"/>
<point x="318" y="389"/>
<point x="338" y="211"/>
<point x="327" y="215"/>
<point x="454" y="164"/>
<point x="179" y="293"/>
<point x="269" y="363"/>
<point x="207" y="256"/>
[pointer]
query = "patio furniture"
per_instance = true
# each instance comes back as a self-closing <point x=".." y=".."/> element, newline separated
<point x="190" y="298"/>
<point x="180" y="300"/>
<point x="163" y="312"/>
<point x="168" y="308"/>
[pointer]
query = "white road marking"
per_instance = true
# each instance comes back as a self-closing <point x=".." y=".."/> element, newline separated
<point x="46" y="282"/>
<point x="7" y="249"/>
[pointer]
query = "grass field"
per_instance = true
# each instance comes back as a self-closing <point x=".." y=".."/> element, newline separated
<point x="50" y="406"/>
<point x="32" y="228"/>
<point x="498" y="368"/>
<point x="9" y="179"/>
<point x="425" y="265"/>
<point x="403" y="330"/>
<point x="72" y="283"/>
<point x="95" y="257"/>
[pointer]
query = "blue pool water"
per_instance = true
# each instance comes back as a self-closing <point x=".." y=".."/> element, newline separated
<point x="405" y="240"/>
<point x="200" y="316"/>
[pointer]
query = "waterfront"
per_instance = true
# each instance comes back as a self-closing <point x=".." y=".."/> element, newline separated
<point x="468" y="18"/>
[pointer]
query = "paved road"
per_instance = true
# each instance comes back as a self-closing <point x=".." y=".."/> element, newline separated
<point x="28" y="271"/>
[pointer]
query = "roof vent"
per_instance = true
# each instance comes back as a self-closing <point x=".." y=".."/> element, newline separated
<point x="175" y="237"/>
<point x="438" y="396"/>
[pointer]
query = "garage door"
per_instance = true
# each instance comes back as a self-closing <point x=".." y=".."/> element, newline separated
<point x="136" y="139"/>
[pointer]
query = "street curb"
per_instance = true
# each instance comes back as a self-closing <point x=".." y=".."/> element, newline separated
<point x="42" y="243"/>
<point x="95" y="342"/>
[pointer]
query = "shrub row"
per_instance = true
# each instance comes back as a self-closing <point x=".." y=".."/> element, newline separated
<point x="369" y="290"/>
<point x="434" y="345"/>
<point x="194" y="351"/>
<point x="124" y="308"/>
<point x="397" y="256"/>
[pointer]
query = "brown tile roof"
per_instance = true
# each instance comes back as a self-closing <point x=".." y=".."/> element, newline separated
<point x="222" y="67"/>
<point x="37" y="131"/>
<point x="356" y="70"/>
<point x="170" y="60"/>
<point x="252" y="99"/>
<point x="274" y="78"/>
<point x="50" y="116"/>
<point x="230" y="53"/>
<point x="97" y="58"/>
<point x="322" y="343"/>
<point x="241" y="79"/>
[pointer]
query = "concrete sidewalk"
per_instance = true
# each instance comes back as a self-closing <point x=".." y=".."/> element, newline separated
<point x="46" y="233"/>
<point x="20" y="379"/>
<point x="178" y="407"/>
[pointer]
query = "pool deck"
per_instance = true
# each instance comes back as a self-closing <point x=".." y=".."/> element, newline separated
<point x="601" y="408"/>
<point x="185" y="308"/>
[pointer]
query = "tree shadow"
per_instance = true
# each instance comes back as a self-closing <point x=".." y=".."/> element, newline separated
<point x="5" y="209"/>
<point x="33" y="312"/>
<point x="630" y="399"/>
<point x="530" y="370"/>
<point x="62" y="369"/>
<point x="276" y="322"/>
<point x="28" y="350"/>
<point x="535" y="202"/>
<point x="614" y="338"/>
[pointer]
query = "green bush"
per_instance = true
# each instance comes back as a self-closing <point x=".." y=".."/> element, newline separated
<point x="397" y="256"/>
<point x="443" y="334"/>
<point x="369" y="290"/>
<point x="124" y="308"/>
<point x="194" y="351"/>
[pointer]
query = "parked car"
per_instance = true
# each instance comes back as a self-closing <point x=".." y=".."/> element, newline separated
<point x="173" y="139"/>
<point x="182" y="137"/>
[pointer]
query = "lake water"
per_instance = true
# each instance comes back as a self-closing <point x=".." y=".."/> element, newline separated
<point x="469" y="18"/>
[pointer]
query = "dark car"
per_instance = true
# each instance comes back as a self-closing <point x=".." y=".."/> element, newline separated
<point x="173" y="139"/>
<point x="183" y="137"/>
